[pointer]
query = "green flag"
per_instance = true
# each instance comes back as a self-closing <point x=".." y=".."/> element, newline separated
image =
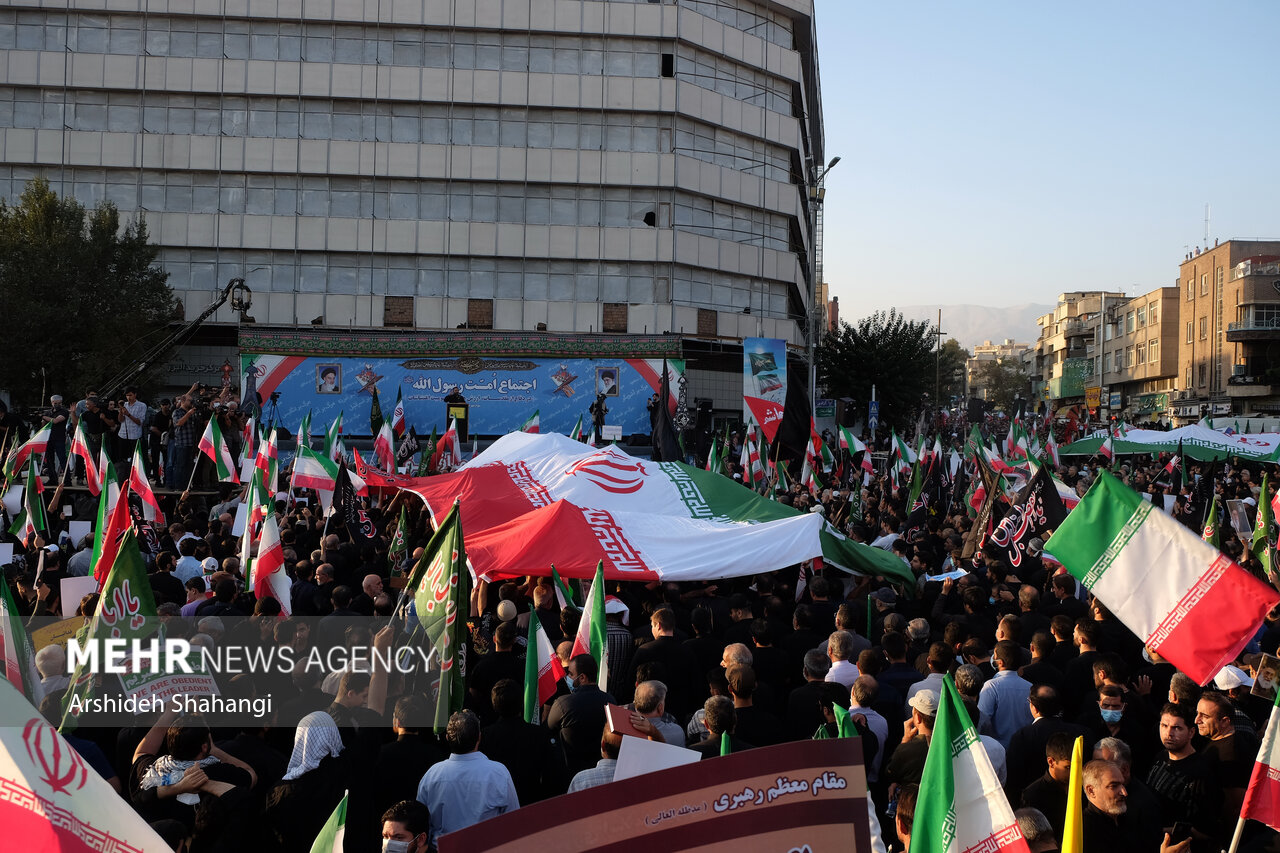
<point x="126" y="611"/>
<point x="399" y="542"/>
<point x="1210" y="533"/>
<point x="725" y="748"/>
<point x="592" y="629"/>
<point x="31" y="521"/>
<point x="1261" y="545"/>
<point x="428" y="450"/>
<point x="375" y="414"/>
<point x="441" y="590"/>
<point x="333" y="832"/>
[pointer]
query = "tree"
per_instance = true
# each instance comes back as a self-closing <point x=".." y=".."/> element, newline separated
<point x="1004" y="381"/>
<point x="78" y="288"/>
<point x="888" y="351"/>
<point x="953" y="362"/>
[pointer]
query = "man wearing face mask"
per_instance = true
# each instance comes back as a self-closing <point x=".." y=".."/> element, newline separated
<point x="1112" y="716"/>
<point x="404" y="828"/>
<point x="577" y="720"/>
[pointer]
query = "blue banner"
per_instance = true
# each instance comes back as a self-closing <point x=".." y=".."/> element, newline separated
<point x="502" y="392"/>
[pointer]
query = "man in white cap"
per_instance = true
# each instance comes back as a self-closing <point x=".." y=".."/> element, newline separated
<point x="907" y="762"/>
<point x="1237" y="685"/>
<point x="617" y="616"/>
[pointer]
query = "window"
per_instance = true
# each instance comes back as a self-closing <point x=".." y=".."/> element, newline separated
<point x="1106" y="362"/>
<point x="1204" y="284"/>
<point x="480" y="313"/>
<point x="397" y="311"/>
<point x="1128" y="357"/>
<point x="1153" y="351"/>
<point x="1142" y="317"/>
<point x="615" y="317"/>
<point x="1128" y="322"/>
<point x="1151" y="314"/>
<point x="1141" y="353"/>
<point x="1204" y="375"/>
<point x="707" y="324"/>
<point x="1188" y="382"/>
<point x="1218" y="277"/>
<point x="1190" y="334"/>
<point x="1204" y="328"/>
<point x="1191" y="290"/>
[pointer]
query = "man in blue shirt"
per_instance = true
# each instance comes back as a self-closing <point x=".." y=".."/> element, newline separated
<point x="1003" y="699"/>
<point x="467" y="788"/>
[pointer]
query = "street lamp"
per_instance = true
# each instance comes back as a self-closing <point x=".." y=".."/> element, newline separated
<point x="817" y="193"/>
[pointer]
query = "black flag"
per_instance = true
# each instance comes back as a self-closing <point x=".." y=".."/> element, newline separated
<point x="1034" y="515"/>
<point x="666" y="442"/>
<point x="350" y="511"/>
<point x="792" y="438"/>
<point x="929" y="502"/>
<point x="408" y="447"/>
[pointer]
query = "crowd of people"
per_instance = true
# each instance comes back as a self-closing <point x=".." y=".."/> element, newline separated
<point x="750" y="661"/>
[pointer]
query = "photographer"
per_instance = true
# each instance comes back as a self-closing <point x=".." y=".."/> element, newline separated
<point x="184" y="434"/>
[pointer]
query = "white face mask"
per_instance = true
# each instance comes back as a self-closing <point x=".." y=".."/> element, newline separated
<point x="391" y="845"/>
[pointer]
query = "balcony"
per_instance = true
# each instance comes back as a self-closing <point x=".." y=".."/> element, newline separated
<point x="1254" y="329"/>
<point x="1250" y="386"/>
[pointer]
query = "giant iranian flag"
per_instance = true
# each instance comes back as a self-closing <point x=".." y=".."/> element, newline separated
<point x="50" y="799"/>
<point x="534" y="500"/>
<point x="961" y="805"/>
<point x="1183" y="597"/>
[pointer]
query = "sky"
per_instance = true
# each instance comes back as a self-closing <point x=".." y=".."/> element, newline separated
<point x="999" y="153"/>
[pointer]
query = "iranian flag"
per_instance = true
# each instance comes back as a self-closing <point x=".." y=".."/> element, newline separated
<point x="534" y="501"/>
<point x="591" y="638"/>
<point x="961" y="805"/>
<point x="333" y="445"/>
<point x="248" y="441"/>
<point x="1262" y="797"/>
<point x="532" y="424"/>
<point x="142" y="487"/>
<point x="268" y="577"/>
<point x="304" y="431"/>
<point x="38" y="443"/>
<point x="850" y="443"/>
<point x="1210" y="532"/>
<point x="1181" y="596"/>
<point x="31" y="521"/>
<point x="542" y="670"/>
<point x="268" y="458"/>
<point x="52" y="799"/>
<point x="80" y="447"/>
<point x="258" y="508"/>
<point x="334" y="831"/>
<point x="1051" y="449"/>
<point x="19" y="655"/>
<point x="1107" y="450"/>
<point x="384" y="448"/>
<point x="591" y="438"/>
<point x="451" y="442"/>
<point x="576" y="432"/>
<point x="118" y="523"/>
<point x="212" y="445"/>
<point x="313" y="471"/>
<point x="397" y="415"/>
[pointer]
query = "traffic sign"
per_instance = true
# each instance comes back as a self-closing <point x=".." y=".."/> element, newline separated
<point x="873" y="417"/>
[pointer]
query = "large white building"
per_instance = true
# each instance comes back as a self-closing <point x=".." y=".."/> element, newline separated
<point x="625" y="168"/>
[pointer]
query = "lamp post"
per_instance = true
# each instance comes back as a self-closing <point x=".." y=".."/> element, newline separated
<point x="817" y="192"/>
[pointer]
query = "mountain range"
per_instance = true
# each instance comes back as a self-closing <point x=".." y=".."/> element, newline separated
<point x="973" y="324"/>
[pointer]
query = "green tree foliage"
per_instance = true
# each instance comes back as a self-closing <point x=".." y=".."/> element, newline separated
<point x="886" y="350"/>
<point x="952" y="366"/>
<point x="78" y="289"/>
<point x="1003" y="381"/>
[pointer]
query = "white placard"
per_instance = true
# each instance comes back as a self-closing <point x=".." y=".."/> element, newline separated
<point x="77" y="530"/>
<point x="242" y="519"/>
<point x="74" y="589"/>
<point x="13" y="500"/>
<point x="639" y="756"/>
<point x="611" y="432"/>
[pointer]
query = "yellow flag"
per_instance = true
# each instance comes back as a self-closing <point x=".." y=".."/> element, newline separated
<point x="1073" y="832"/>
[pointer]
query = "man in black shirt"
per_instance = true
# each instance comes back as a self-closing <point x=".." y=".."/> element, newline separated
<point x="1184" y="781"/>
<point x="1231" y="751"/>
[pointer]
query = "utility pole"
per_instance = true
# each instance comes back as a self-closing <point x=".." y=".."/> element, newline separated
<point x="937" y="376"/>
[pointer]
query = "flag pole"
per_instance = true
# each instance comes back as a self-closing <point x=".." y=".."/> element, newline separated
<point x="1235" y="838"/>
<point x="58" y="492"/>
